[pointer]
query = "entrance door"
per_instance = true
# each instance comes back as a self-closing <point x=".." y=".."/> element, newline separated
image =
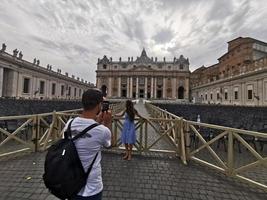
<point x="181" y="92"/>
<point x="141" y="93"/>
<point x="124" y="93"/>
<point x="159" y="94"/>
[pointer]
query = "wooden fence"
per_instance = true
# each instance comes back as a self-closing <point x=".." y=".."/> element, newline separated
<point x="35" y="132"/>
<point x="201" y="142"/>
<point x="187" y="139"/>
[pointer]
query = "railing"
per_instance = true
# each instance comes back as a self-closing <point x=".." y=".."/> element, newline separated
<point x="162" y="132"/>
<point x="35" y="132"/>
<point x="146" y="142"/>
<point x="244" y="163"/>
<point x="31" y="132"/>
<point x="171" y="123"/>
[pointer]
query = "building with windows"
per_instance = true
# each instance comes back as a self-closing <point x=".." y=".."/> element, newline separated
<point x="22" y="79"/>
<point x="144" y="77"/>
<point x="239" y="78"/>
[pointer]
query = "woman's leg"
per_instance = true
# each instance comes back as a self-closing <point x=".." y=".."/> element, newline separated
<point x="130" y="151"/>
<point x="126" y="151"/>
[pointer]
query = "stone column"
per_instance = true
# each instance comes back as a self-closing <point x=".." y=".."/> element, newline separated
<point x="98" y="82"/>
<point x="119" y="87"/>
<point x="128" y="87"/>
<point x="35" y="87"/>
<point x="260" y="92"/>
<point x="145" y="87"/>
<point x="137" y="88"/>
<point x="131" y="87"/>
<point x="109" y="87"/>
<point x="231" y="94"/>
<point x="1" y="80"/>
<point x="164" y="87"/>
<point x="155" y="88"/>
<point x="174" y="88"/>
<point x="187" y="88"/>
<point x="17" y="80"/>
<point x="152" y="87"/>
<point x="242" y="95"/>
<point x="48" y="88"/>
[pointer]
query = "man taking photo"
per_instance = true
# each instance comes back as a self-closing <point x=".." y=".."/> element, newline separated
<point x="89" y="146"/>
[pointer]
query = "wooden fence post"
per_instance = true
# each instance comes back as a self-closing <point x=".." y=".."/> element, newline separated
<point x="187" y="141"/>
<point x="182" y="139"/>
<point x="230" y="154"/>
<point x="141" y="137"/>
<point x="55" y="129"/>
<point x="35" y="134"/>
<point x="114" y="133"/>
<point x="146" y="135"/>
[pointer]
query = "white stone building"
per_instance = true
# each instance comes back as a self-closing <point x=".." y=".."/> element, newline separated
<point x="240" y="77"/>
<point x="22" y="79"/>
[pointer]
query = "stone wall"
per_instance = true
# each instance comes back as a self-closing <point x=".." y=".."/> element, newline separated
<point x="23" y="107"/>
<point x="251" y="118"/>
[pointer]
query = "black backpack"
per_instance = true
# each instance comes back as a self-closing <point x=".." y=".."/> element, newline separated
<point x="64" y="175"/>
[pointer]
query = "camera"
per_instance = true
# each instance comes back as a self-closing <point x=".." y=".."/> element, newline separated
<point x="105" y="106"/>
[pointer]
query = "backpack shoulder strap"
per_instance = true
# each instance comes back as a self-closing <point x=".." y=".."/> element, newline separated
<point x="85" y="131"/>
<point x="67" y="133"/>
<point x="91" y="166"/>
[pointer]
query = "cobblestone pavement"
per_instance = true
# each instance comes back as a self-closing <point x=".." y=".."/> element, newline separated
<point x="154" y="177"/>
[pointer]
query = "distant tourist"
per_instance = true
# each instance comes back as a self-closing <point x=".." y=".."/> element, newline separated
<point x="128" y="135"/>
<point x="198" y="118"/>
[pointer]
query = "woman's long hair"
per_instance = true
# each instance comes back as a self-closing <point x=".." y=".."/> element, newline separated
<point x="130" y="110"/>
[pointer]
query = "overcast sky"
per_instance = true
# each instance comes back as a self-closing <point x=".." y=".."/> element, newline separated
<point x="72" y="34"/>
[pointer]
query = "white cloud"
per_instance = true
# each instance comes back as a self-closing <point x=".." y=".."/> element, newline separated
<point x="72" y="34"/>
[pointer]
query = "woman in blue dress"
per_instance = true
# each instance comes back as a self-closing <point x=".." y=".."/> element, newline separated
<point x="128" y="136"/>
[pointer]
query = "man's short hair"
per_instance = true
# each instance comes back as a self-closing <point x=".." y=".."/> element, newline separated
<point x="91" y="98"/>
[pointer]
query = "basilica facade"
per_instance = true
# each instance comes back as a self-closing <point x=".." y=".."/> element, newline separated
<point x="145" y="77"/>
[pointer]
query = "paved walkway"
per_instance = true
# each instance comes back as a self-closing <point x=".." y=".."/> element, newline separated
<point x="144" y="177"/>
<point x="141" y="178"/>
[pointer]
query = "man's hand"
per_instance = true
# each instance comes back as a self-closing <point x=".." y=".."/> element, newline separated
<point x="99" y="118"/>
<point x="107" y="119"/>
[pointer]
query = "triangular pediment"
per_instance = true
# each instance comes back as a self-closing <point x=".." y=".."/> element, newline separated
<point x="142" y="68"/>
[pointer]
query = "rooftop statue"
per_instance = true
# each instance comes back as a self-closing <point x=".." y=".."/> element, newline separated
<point x="3" y="47"/>
<point x="15" y="52"/>
<point x="20" y="55"/>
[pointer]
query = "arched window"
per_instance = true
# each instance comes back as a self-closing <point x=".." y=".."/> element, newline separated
<point x="104" y="90"/>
